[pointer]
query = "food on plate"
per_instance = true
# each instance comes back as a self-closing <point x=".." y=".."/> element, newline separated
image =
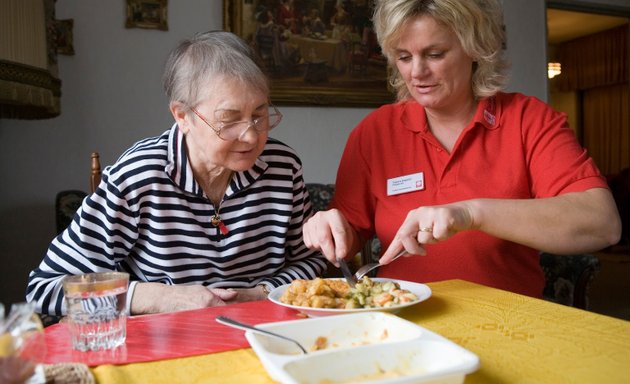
<point x="316" y="293"/>
<point x="372" y="294"/>
<point x="331" y="293"/>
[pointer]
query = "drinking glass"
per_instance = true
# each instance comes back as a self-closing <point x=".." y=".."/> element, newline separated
<point x="96" y="306"/>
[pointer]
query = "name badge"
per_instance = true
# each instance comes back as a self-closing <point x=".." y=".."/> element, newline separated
<point x="404" y="184"/>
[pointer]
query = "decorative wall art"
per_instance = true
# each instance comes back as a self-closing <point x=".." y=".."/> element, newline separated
<point x="64" y="36"/>
<point x="317" y="52"/>
<point x="149" y="14"/>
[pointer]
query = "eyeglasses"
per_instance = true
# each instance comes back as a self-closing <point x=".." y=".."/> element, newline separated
<point x="231" y="131"/>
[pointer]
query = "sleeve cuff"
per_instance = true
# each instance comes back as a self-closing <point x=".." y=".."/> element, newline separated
<point x="132" y="287"/>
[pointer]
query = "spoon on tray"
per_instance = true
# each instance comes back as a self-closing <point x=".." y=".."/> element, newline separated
<point x="237" y="324"/>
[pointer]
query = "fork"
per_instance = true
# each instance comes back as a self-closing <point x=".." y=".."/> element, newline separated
<point x="368" y="267"/>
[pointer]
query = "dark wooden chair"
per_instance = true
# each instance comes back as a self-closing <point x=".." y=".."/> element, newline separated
<point x="95" y="171"/>
<point x="68" y="201"/>
<point x="66" y="204"/>
<point x="568" y="278"/>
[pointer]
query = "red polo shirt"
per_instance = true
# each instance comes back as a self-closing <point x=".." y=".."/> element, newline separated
<point x="516" y="147"/>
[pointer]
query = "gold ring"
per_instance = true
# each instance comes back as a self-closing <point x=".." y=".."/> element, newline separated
<point x="426" y="229"/>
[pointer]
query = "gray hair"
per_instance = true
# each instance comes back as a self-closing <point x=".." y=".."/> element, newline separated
<point x="478" y="24"/>
<point x="197" y="62"/>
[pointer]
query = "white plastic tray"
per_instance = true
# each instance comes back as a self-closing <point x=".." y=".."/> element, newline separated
<point x="373" y="347"/>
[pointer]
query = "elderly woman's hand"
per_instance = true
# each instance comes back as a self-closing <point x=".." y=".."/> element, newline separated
<point x="330" y="233"/>
<point x="249" y="294"/>
<point x="426" y="225"/>
<point x="156" y="297"/>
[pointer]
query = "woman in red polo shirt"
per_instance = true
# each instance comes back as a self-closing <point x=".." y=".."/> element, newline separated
<point x="474" y="180"/>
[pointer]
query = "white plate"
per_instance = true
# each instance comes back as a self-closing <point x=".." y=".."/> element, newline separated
<point x="422" y="291"/>
<point x="359" y="346"/>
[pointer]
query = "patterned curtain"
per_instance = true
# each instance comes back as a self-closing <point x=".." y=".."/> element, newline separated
<point x="596" y="66"/>
<point x="593" y="61"/>
<point x="606" y="120"/>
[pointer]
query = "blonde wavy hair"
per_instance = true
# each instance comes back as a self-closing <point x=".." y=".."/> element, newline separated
<point x="478" y="24"/>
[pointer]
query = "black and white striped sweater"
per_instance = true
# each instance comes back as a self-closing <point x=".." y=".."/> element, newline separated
<point x="149" y="217"/>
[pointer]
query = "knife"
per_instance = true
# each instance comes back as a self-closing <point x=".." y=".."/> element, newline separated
<point x="347" y="273"/>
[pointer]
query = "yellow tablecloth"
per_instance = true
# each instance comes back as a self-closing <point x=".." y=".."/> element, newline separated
<point x="518" y="340"/>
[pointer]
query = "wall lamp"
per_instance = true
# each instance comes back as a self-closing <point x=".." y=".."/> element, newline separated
<point x="553" y="70"/>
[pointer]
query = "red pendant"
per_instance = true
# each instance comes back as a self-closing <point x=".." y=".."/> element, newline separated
<point x="223" y="228"/>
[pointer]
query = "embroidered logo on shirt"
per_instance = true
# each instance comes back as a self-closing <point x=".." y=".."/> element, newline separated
<point x="489" y="117"/>
<point x="488" y="113"/>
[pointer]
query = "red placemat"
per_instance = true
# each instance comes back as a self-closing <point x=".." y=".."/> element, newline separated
<point x="170" y="335"/>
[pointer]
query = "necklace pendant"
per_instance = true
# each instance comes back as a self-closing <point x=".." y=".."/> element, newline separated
<point x="223" y="228"/>
<point x="216" y="221"/>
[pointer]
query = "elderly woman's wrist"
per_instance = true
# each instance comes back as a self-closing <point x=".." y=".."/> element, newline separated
<point x="264" y="290"/>
<point x="145" y="298"/>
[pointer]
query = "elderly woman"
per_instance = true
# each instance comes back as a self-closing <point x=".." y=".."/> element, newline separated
<point x="206" y="214"/>
<point x="476" y="180"/>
